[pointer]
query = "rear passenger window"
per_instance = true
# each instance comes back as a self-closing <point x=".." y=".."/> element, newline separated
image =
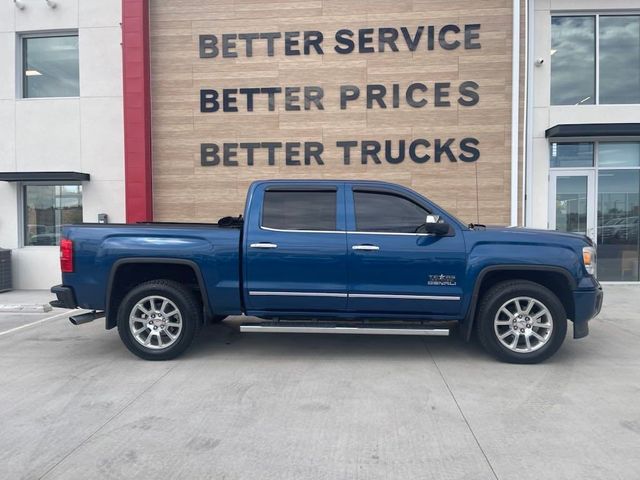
<point x="387" y="213"/>
<point x="299" y="210"/>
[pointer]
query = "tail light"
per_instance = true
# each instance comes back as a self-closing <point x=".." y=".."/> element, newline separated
<point x="66" y="255"/>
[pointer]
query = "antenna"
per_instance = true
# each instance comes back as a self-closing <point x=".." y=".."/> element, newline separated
<point x="19" y="5"/>
<point x="477" y="196"/>
<point x="51" y="3"/>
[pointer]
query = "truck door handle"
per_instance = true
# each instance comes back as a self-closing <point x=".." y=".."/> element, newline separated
<point x="365" y="247"/>
<point x="263" y="245"/>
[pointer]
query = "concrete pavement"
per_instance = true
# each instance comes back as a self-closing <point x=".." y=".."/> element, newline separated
<point x="19" y="308"/>
<point x="74" y="403"/>
<point x="25" y="301"/>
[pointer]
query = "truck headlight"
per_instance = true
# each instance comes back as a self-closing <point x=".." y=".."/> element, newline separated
<point x="589" y="259"/>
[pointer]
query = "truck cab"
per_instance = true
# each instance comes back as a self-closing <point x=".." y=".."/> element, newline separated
<point x="354" y="248"/>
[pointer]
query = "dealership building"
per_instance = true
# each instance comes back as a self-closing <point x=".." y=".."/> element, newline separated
<point x="511" y="112"/>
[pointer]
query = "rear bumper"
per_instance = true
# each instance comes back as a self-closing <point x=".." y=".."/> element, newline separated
<point x="587" y="305"/>
<point x="65" y="295"/>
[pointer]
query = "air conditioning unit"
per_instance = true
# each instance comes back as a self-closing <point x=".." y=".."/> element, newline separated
<point x="5" y="270"/>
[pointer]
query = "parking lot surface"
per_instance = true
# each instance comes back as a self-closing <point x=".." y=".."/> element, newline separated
<point x="74" y="403"/>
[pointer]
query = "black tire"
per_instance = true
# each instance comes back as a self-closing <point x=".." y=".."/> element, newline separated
<point x="488" y="332"/>
<point x="190" y="319"/>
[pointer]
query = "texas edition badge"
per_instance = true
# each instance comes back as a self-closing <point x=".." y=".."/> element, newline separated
<point x="441" y="279"/>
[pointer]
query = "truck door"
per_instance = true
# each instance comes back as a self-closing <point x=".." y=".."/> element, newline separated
<point x="392" y="268"/>
<point x="295" y="258"/>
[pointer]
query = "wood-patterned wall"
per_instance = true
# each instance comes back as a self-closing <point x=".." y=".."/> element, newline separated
<point x="186" y="191"/>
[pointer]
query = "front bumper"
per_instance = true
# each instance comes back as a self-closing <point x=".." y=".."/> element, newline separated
<point x="587" y="305"/>
<point x="66" y="297"/>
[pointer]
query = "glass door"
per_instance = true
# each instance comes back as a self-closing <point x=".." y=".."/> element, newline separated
<point x="572" y="202"/>
<point x="618" y="224"/>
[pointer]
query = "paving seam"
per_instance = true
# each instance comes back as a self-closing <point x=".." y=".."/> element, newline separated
<point x="464" y="417"/>
<point x="113" y="417"/>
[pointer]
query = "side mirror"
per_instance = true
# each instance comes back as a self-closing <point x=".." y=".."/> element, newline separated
<point x="435" y="226"/>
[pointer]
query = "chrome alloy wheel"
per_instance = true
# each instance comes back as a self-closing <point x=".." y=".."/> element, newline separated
<point x="155" y="322"/>
<point x="523" y="324"/>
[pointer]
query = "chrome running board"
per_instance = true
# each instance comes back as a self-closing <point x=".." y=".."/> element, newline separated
<point x="283" y="328"/>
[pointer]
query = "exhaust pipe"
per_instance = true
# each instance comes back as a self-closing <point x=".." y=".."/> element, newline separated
<point x="85" y="317"/>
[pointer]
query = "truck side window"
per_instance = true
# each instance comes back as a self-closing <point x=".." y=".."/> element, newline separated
<point x="299" y="210"/>
<point x="386" y="212"/>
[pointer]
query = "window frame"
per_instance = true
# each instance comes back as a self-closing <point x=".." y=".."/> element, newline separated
<point x="22" y="212"/>
<point x="355" y="231"/>
<point x="596" y="14"/>
<point x="20" y="59"/>
<point x="328" y="189"/>
<point x="596" y="141"/>
<point x="595" y="153"/>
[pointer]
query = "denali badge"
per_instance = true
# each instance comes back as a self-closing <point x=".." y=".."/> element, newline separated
<point x="448" y="280"/>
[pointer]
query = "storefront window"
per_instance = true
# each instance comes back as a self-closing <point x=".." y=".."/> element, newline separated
<point x="572" y="154"/>
<point x="573" y="60"/>
<point x="579" y="43"/>
<point x="619" y="59"/>
<point x="613" y="218"/>
<point x="47" y="209"/>
<point x="619" y="154"/>
<point x="618" y="214"/>
<point x="50" y="66"/>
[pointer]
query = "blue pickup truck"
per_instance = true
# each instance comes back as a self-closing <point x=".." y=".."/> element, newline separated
<point x="322" y="256"/>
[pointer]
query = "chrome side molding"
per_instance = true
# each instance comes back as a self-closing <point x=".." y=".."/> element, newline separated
<point x="403" y="297"/>
<point x="254" y="293"/>
<point x="260" y="293"/>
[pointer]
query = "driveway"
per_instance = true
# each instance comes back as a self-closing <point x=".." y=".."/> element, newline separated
<point x="74" y="403"/>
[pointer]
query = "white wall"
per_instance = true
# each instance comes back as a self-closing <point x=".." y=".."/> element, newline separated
<point x="545" y="115"/>
<point x="82" y="134"/>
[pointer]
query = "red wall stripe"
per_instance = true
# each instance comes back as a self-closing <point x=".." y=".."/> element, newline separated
<point x="137" y="110"/>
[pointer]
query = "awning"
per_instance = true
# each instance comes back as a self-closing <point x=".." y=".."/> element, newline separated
<point x="594" y="130"/>
<point x="44" y="177"/>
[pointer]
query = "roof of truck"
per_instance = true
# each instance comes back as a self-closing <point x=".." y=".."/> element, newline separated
<point x="324" y="180"/>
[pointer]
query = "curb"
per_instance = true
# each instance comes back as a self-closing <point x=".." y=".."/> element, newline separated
<point x="24" y="308"/>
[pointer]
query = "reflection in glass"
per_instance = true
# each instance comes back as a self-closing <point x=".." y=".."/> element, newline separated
<point x="381" y="212"/>
<point x="618" y="215"/>
<point x="571" y="204"/>
<point x="573" y="64"/>
<point x="47" y="209"/>
<point x="572" y="154"/>
<point x="50" y="67"/>
<point x="300" y="210"/>
<point x="619" y="154"/>
<point x="620" y="59"/>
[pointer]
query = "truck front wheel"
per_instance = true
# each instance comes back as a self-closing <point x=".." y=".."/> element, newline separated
<point x="521" y="322"/>
<point x="158" y="319"/>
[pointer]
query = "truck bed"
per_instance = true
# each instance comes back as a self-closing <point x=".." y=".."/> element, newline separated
<point x="214" y="249"/>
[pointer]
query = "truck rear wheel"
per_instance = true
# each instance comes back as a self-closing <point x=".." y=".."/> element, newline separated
<point x="521" y="322"/>
<point x="158" y="319"/>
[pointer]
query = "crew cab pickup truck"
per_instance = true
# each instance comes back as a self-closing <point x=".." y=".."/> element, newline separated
<point x="323" y="256"/>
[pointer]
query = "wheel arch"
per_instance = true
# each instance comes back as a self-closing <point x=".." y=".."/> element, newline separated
<point x="181" y="270"/>
<point x="557" y="279"/>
